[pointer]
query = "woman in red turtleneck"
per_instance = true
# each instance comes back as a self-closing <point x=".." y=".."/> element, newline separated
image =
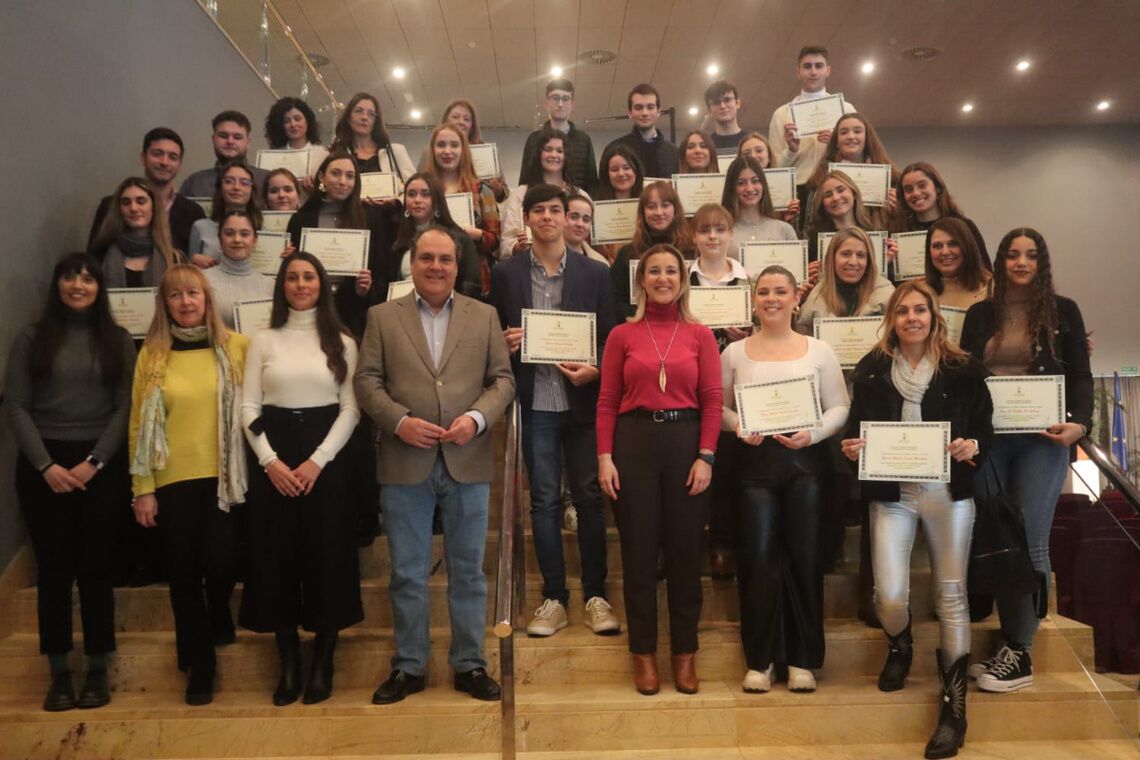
<point x="658" y="420"/>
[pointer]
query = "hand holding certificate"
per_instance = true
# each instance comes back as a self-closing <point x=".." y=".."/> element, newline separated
<point x="1027" y="403"/>
<point x="296" y="161"/>
<point x="911" y="259"/>
<point x="132" y="309"/>
<point x="378" y="186"/>
<point x="399" y="289"/>
<point x="814" y="116"/>
<point x="850" y="337"/>
<point x="873" y="180"/>
<point x="266" y="255"/>
<point x="779" y="406"/>
<point x="717" y="306"/>
<point x="755" y="256"/>
<point x="553" y="337"/>
<point x="695" y="190"/>
<point x="275" y="221"/>
<point x="909" y="452"/>
<point x="344" y="253"/>
<point x="781" y="186"/>
<point x="485" y="159"/>
<point x="614" y="221"/>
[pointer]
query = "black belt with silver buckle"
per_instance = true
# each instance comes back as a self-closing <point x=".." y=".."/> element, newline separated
<point x="665" y="415"/>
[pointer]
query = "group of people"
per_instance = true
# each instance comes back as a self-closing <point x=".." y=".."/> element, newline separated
<point x="347" y="386"/>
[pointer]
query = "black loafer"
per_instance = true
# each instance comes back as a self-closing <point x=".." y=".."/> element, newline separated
<point x="200" y="687"/>
<point x="61" y="695"/>
<point x="478" y="684"/>
<point x="398" y="686"/>
<point x="95" y="692"/>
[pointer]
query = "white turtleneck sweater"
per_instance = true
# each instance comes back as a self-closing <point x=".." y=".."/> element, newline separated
<point x="236" y="281"/>
<point x="285" y="367"/>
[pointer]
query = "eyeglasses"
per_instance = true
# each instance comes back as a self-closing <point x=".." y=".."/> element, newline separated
<point x="243" y="181"/>
<point x="560" y="99"/>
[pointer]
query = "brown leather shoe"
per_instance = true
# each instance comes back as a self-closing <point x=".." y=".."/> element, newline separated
<point x="685" y="673"/>
<point x="722" y="564"/>
<point x="645" y="673"/>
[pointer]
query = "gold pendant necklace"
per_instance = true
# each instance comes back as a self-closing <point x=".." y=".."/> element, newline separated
<point x="662" y="380"/>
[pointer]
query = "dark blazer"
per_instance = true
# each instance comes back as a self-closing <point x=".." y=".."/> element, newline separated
<point x="957" y="394"/>
<point x="585" y="287"/>
<point x="1066" y="352"/>
<point x="183" y="213"/>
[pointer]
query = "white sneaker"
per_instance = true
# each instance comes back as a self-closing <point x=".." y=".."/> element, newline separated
<point x="600" y="617"/>
<point x="800" y="679"/>
<point x="549" y="619"/>
<point x="758" y="681"/>
<point x="570" y="518"/>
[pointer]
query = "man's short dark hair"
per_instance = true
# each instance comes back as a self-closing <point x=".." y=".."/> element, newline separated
<point x="162" y="133"/>
<point x="718" y="89"/>
<point x="642" y="89"/>
<point x="807" y="50"/>
<point x="237" y="117"/>
<point x="578" y="196"/>
<point x="414" y="245"/>
<point x="559" y="84"/>
<point x="536" y="194"/>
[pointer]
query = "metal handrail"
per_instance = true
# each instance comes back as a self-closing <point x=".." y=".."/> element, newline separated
<point x="510" y="588"/>
<point x="1105" y="464"/>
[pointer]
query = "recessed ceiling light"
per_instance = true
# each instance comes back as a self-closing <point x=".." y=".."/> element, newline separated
<point x="713" y="69"/>
<point x="555" y="71"/>
<point x="693" y="111"/>
<point x="1023" y="65"/>
<point x="398" y="73"/>
<point x="1103" y="105"/>
<point x="415" y="114"/>
<point x="967" y="107"/>
<point x="868" y="67"/>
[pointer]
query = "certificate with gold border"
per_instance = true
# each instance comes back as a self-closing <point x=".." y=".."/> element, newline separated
<point x="614" y="221"/>
<point x="266" y="255"/>
<point x="781" y="186"/>
<point x="485" y="160"/>
<point x="955" y="318"/>
<point x="399" y="289"/>
<point x="462" y="209"/>
<point x="551" y="337"/>
<point x="296" y="161"/>
<point x="814" y="116"/>
<point x="695" y="190"/>
<point x="908" y="452"/>
<point x="275" y="221"/>
<point x="851" y="338"/>
<point x="132" y="309"/>
<point x="1027" y="403"/>
<point x="342" y="252"/>
<point x="779" y="406"/>
<point x="378" y="186"/>
<point x="719" y="306"/>
<point x="253" y="315"/>
<point x="792" y="255"/>
<point x="873" y="180"/>
<point x="911" y="260"/>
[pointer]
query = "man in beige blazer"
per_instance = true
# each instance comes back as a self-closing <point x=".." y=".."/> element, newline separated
<point x="434" y="374"/>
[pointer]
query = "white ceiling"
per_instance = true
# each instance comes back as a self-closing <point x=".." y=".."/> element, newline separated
<point x="498" y="53"/>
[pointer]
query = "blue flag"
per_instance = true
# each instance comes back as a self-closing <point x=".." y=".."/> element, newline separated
<point x="1119" y="442"/>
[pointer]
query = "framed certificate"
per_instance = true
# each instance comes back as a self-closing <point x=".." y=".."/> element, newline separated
<point x="850" y="337"/>
<point x="378" y="185"/>
<point x="266" y="255"/>
<point x="296" y="161"/>
<point x="1027" y="403"/>
<point x="614" y="221"/>
<point x="485" y="158"/>
<point x="955" y="318"/>
<point x="399" y="289"/>
<point x="911" y="452"/>
<point x="724" y="160"/>
<point x="873" y="180"/>
<point x="275" y="221"/>
<point x="781" y="186"/>
<point x="878" y="240"/>
<point x="779" y="406"/>
<point x="252" y="316"/>
<point x="206" y="203"/>
<point x="461" y="206"/>
<point x="718" y="306"/>
<point x="695" y="190"/>
<point x="342" y="252"/>
<point x="911" y="261"/>
<point x="133" y="309"/>
<point x="814" y="116"/>
<point x="550" y="337"/>
<point x="790" y="254"/>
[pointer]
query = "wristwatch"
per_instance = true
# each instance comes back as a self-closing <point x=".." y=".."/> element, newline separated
<point x="709" y="459"/>
<point x="94" y="461"/>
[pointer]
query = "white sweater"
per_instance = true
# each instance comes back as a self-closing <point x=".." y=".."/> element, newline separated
<point x="285" y="367"/>
<point x="737" y="369"/>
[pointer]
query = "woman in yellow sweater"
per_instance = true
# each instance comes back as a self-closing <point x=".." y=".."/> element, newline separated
<point x="188" y="463"/>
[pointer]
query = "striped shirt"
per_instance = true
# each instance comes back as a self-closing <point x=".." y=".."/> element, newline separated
<point x="546" y="293"/>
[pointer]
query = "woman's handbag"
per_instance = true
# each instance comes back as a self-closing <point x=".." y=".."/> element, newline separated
<point x="999" y="553"/>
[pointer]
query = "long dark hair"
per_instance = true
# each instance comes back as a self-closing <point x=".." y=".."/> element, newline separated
<point x="343" y="133"/>
<point x="728" y="197"/>
<point x="973" y="272"/>
<point x="354" y="217"/>
<point x="275" y="122"/>
<point x="441" y="213"/>
<point x="532" y="172"/>
<point x="605" y="189"/>
<point x="106" y="336"/>
<point x="944" y="201"/>
<point x="1043" y="303"/>
<point x="252" y="206"/>
<point x="329" y="326"/>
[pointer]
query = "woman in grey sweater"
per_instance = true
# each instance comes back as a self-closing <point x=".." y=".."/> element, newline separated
<point x="235" y="279"/>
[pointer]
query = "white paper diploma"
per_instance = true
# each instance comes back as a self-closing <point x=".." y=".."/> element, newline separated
<point x="779" y="406"/>
<point x="550" y="337"/>
<point x="399" y="289"/>
<point x="718" y="306"/>
<point x="913" y="452"/>
<point x="695" y="190"/>
<point x="266" y="256"/>
<point x="1027" y="403"/>
<point x="378" y="186"/>
<point x="207" y="204"/>
<point x="275" y="221"/>
<point x="724" y="160"/>
<point x="878" y="241"/>
<point x="911" y="261"/>
<point x="462" y="209"/>
<point x="614" y="221"/>
<point x="342" y="252"/>
<point x="485" y="158"/>
<point x="873" y="180"/>
<point x="955" y="318"/>
<point x="781" y="186"/>
<point x="252" y="316"/>
<point x="296" y="161"/>
<point x="814" y="116"/>
<point x="790" y="254"/>
<point x="850" y="337"/>
<point x="132" y="309"/>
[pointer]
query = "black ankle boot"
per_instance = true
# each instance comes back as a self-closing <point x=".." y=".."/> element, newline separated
<point x="899" y="656"/>
<point x="289" y="651"/>
<point x="320" y="683"/>
<point x="61" y="694"/>
<point x="951" y="732"/>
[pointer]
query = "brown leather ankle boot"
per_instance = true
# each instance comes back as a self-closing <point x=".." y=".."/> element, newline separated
<point x="685" y="673"/>
<point x="645" y="676"/>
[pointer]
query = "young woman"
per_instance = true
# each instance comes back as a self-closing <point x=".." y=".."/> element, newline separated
<point x="234" y="191"/>
<point x="282" y="191"/>
<point x="746" y="198"/>
<point x="1027" y="329"/>
<point x="360" y="131"/>
<point x="854" y="141"/>
<point x="67" y="399"/>
<point x="234" y="279"/>
<point x="133" y="242"/>
<point x="549" y="167"/>
<point x="461" y="112"/>
<point x="424" y="204"/>
<point x="954" y="267"/>
<point x="298" y="410"/>
<point x="850" y="284"/>
<point x="292" y="124"/>
<point x="579" y="227"/>
<point x="926" y="199"/>
<point x="755" y="145"/>
<point x="698" y="154"/>
<point x="621" y="175"/>
<point x="658" y="417"/>
<point x="660" y="219"/>
<point x="837" y="205"/>
<point x="913" y="375"/>
<point x="188" y="463"/>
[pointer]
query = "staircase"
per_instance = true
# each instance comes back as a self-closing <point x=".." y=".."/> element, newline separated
<point x="574" y="696"/>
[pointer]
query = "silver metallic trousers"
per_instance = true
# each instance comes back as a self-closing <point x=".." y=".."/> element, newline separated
<point x="948" y="526"/>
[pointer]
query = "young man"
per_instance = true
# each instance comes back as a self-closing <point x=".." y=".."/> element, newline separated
<point x="579" y="227"/>
<point x="658" y="156"/>
<point x="558" y="404"/>
<point x="161" y="159"/>
<point x="231" y="142"/>
<point x="579" y="148"/>
<point x="723" y="103"/>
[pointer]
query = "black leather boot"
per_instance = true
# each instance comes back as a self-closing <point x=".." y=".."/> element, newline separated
<point x="899" y="657"/>
<point x="951" y="732"/>
<point x="320" y="683"/>
<point x="289" y="651"/>
<point x="61" y="695"/>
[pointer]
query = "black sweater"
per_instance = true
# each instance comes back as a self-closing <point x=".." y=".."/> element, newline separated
<point x="580" y="158"/>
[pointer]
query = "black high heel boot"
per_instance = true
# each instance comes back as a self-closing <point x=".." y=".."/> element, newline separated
<point x="320" y="683"/>
<point x="950" y="734"/>
<point x="289" y="651"/>
<point x="899" y="657"/>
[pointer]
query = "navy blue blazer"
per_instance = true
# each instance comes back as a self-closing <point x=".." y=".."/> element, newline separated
<point x="586" y="287"/>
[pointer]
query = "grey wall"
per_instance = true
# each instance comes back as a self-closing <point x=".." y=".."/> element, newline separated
<point x="83" y="81"/>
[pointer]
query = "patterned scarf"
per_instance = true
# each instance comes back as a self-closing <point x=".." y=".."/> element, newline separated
<point x="911" y="383"/>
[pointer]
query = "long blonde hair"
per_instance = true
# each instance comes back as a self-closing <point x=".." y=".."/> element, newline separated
<point x="829" y="280"/>
<point x="682" y="297"/>
<point x="939" y="349"/>
<point x="160" y="338"/>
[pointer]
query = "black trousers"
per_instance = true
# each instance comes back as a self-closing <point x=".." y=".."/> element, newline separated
<point x="73" y="536"/>
<point x="655" y="512"/>
<point x="723" y="492"/>
<point x="778" y="556"/>
<point x="303" y="566"/>
<point x="200" y="542"/>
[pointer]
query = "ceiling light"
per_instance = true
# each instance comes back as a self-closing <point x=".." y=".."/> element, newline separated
<point x="967" y="107"/>
<point x="555" y="71"/>
<point x="693" y="111"/>
<point x="868" y="67"/>
<point x="398" y="73"/>
<point x="1023" y="65"/>
<point x="713" y="69"/>
<point x="415" y="114"/>
<point x="1103" y="105"/>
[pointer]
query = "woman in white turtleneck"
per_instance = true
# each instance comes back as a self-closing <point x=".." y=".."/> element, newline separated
<point x="235" y="279"/>
<point x="299" y="411"/>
